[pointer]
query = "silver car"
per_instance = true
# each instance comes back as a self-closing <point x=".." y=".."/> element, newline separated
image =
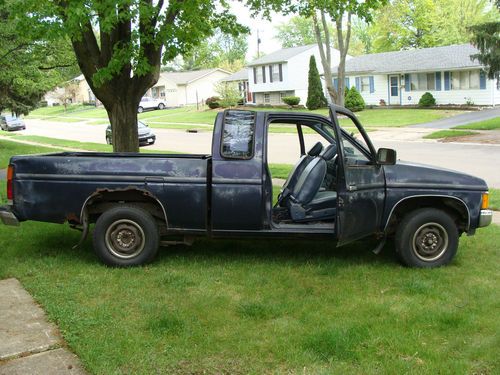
<point x="150" y="103"/>
<point x="9" y="123"/>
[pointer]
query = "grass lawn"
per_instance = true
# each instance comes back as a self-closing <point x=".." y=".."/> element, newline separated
<point x="495" y="199"/>
<point x="490" y="124"/>
<point x="448" y="133"/>
<point x="8" y="149"/>
<point x="190" y="116"/>
<point x="241" y="307"/>
<point x="261" y="306"/>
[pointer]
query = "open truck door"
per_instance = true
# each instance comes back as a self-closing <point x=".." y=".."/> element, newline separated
<point x="360" y="184"/>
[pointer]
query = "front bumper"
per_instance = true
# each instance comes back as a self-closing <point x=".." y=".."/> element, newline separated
<point x="7" y="217"/>
<point x="485" y="218"/>
<point x="147" y="140"/>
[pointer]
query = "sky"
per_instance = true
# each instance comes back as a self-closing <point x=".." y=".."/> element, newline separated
<point x="266" y="30"/>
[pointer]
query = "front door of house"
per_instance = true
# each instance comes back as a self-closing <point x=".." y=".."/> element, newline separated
<point x="394" y="90"/>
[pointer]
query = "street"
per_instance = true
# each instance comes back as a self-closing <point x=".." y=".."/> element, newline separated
<point x="482" y="160"/>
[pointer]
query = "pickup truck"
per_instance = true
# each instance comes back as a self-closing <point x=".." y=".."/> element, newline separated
<point x="342" y="190"/>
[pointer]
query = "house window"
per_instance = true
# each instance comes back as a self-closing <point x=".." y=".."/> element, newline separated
<point x="466" y="80"/>
<point x="275" y="70"/>
<point x="365" y="84"/>
<point x="258" y="72"/>
<point x="267" y="98"/>
<point x="422" y="81"/>
<point x="282" y="95"/>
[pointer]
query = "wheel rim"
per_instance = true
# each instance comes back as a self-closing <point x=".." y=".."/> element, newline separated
<point x="139" y="110"/>
<point x="430" y="242"/>
<point x="125" y="239"/>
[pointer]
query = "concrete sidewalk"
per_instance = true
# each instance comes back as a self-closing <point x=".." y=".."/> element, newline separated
<point x="29" y="344"/>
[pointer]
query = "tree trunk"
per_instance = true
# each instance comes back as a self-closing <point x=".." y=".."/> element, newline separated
<point x="325" y="54"/>
<point x="122" y="113"/>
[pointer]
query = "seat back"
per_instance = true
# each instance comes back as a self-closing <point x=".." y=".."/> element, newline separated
<point x="301" y="165"/>
<point x="310" y="180"/>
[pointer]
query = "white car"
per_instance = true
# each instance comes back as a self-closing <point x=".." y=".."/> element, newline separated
<point x="150" y="103"/>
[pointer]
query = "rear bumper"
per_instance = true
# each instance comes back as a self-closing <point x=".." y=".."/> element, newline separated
<point x="7" y="217"/>
<point x="485" y="218"/>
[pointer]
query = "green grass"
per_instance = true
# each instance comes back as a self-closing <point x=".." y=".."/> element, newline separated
<point x="189" y="116"/>
<point x="448" y="133"/>
<point x="10" y="148"/>
<point x="264" y="306"/>
<point x="280" y="170"/>
<point x="88" y="146"/>
<point x="490" y="124"/>
<point x="495" y="199"/>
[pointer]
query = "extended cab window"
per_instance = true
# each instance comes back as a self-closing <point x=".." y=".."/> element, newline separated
<point x="238" y="134"/>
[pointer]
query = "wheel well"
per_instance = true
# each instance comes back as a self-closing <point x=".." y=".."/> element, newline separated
<point x="454" y="207"/>
<point x="105" y="199"/>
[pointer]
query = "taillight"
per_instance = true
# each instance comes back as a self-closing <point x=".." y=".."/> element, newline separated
<point x="10" y="177"/>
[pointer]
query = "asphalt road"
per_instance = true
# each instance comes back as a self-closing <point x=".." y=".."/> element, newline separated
<point x="462" y="119"/>
<point x="477" y="159"/>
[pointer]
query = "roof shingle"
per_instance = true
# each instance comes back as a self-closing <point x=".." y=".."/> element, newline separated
<point x="281" y="55"/>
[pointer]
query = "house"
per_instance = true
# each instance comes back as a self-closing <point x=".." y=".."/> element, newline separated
<point x="402" y="77"/>
<point x="185" y="88"/>
<point x="240" y="78"/>
<point x="74" y="91"/>
<point x="284" y="73"/>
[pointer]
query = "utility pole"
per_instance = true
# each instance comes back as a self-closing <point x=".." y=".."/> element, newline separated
<point x="258" y="43"/>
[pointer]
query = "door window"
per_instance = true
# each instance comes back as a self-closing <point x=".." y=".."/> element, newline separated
<point x="394" y="86"/>
<point x="238" y="134"/>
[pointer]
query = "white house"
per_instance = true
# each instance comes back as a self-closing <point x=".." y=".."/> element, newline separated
<point x="184" y="88"/>
<point x="284" y="73"/>
<point x="240" y="78"/>
<point x="400" y="78"/>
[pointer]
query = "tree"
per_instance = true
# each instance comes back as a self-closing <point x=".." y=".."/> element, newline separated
<point x="404" y="24"/>
<point x="28" y="67"/>
<point x="315" y="96"/>
<point x="353" y="100"/>
<point x="229" y="95"/>
<point x="298" y="31"/>
<point x="341" y="13"/>
<point x="120" y="44"/>
<point x="486" y="38"/>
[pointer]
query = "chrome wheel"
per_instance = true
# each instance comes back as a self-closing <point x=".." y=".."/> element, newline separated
<point x="430" y="242"/>
<point x="125" y="239"/>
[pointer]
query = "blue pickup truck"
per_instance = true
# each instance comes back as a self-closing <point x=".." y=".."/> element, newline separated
<point x="340" y="189"/>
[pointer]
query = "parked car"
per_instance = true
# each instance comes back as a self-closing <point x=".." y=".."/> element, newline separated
<point x="141" y="201"/>
<point x="9" y="123"/>
<point x="146" y="135"/>
<point x="150" y="103"/>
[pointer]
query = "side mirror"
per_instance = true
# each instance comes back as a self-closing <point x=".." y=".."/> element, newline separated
<point x="386" y="156"/>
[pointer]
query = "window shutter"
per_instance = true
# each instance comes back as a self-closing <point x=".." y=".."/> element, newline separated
<point x="263" y="74"/>
<point x="281" y="72"/>
<point x="438" y="81"/>
<point x="346" y="82"/>
<point x="447" y="81"/>
<point x="407" y="82"/>
<point x="335" y="83"/>
<point x="358" y="83"/>
<point x="271" y="73"/>
<point x="372" y="85"/>
<point x="482" y="80"/>
<point x="254" y="75"/>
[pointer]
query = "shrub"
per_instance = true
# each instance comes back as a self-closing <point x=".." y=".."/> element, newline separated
<point x="315" y="96"/>
<point x="353" y="100"/>
<point x="291" y="100"/>
<point x="213" y="102"/>
<point x="427" y="100"/>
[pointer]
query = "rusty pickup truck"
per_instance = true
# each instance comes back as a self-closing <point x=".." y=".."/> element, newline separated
<point x="340" y="189"/>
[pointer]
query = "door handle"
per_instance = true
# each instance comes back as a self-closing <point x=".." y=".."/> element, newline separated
<point x="352" y="187"/>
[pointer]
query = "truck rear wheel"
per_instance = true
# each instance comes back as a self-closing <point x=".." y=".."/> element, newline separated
<point x="126" y="236"/>
<point x="426" y="238"/>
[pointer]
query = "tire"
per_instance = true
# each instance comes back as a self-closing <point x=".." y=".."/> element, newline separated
<point x="126" y="236"/>
<point x="426" y="238"/>
<point x="161" y="106"/>
<point x="140" y="110"/>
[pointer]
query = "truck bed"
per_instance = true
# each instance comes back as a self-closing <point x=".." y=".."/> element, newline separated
<point x="54" y="187"/>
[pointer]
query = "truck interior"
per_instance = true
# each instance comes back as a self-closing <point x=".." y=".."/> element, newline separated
<point x="309" y="194"/>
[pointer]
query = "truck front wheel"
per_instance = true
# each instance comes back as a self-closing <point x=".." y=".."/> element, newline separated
<point x="126" y="236"/>
<point x="426" y="238"/>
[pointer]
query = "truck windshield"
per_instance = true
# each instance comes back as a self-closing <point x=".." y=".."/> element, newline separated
<point x="238" y="134"/>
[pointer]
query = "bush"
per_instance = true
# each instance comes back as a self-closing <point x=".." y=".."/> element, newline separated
<point x="213" y="102"/>
<point x="315" y="96"/>
<point x="353" y="100"/>
<point x="427" y="100"/>
<point x="291" y="100"/>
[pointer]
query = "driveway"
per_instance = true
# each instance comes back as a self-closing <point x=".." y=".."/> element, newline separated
<point x="476" y="159"/>
<point x="462" y="119"/>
